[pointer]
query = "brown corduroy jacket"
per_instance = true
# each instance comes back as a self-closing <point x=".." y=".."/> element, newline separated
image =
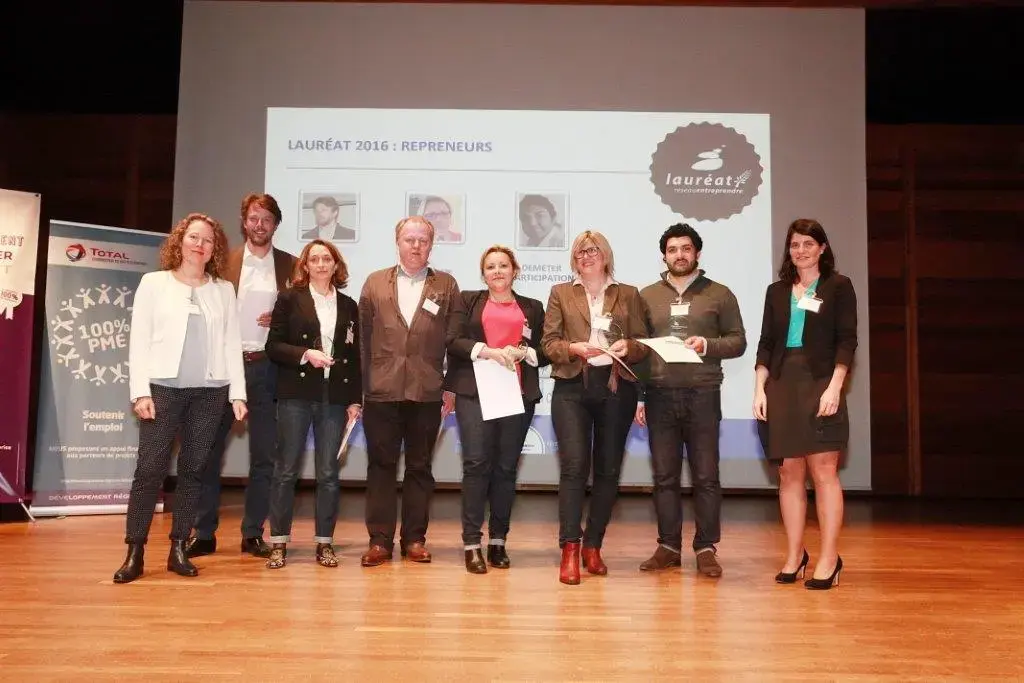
<point x="405" y="362"/>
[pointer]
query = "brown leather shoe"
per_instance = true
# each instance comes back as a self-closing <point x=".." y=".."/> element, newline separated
<point x="416" y="552"/>
<point x="375" y="556"/>
<point x="707" y="563"/>
<point x="663" y="558"/>
<point x="593" y="562"/>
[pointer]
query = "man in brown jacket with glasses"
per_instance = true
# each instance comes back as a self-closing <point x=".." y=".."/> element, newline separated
<point x="406" y="319"/>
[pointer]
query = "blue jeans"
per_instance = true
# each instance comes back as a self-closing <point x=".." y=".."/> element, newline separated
<point x="490" y="463"/>
<point x="294" y="419"/>
<point x="591" y="424"/>
<point x="690" y="418"/>
<point x="260" y="388"/>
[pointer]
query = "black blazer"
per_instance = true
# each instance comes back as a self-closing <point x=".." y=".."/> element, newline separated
<point x="830" y="335"/>
<point x="294" y="327"/>
<point x="460" y="378"/>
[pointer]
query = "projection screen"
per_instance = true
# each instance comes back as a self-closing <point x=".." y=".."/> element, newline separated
<point x="623" y="119"/>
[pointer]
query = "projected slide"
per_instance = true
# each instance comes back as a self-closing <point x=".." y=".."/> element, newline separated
<point x="533" y="180"/>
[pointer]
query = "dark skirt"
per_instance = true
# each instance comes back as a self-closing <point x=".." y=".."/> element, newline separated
<point x="793" y="430"/>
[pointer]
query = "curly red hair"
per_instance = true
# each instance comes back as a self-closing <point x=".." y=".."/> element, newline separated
<point x="170" y="250"/>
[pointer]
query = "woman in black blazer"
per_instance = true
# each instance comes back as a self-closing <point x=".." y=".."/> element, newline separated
<point x="499" y="325"/>
<point x="808" y="339"/>
<point x="314" y="339"/>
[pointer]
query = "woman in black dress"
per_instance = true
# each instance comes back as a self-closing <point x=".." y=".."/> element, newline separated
<point x="808" y="339"/>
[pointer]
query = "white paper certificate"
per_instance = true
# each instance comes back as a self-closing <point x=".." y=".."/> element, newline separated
<point x="672" y="350"/>
<point x="498" y="390"/>
<point x="344" y="440"/>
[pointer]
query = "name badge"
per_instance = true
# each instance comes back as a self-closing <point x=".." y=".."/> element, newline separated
<point x="527" y="332"/>
<point x="679" y="309"/>
<point x="350" y="336"/>
<point x="602" y="323"/>
<point x="193" y="309"/>
<point x="430" y="306"/>
<point x="807" y="303"/>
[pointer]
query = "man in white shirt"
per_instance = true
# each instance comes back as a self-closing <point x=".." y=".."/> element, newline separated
<point x="258" y="272"/>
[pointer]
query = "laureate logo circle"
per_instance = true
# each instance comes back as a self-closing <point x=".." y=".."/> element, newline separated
<point x="533" y="444"/>
<point x="75" y="252"/>
<point x="706" y="171"/>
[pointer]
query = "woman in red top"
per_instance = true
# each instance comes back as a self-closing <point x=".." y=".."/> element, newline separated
<point x="498" y="325"/>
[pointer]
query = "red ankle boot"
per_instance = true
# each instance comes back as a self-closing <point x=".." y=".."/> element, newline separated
<point x="569" y="572"/>
<point x="593" y="562"/>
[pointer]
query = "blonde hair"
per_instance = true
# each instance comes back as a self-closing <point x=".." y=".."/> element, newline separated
<point x="414" y="219"/>
<point x="601" y="242"/>
<point x="501" y="249"/>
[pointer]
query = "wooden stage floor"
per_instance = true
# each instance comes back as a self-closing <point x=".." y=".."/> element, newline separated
<point x="930" y="592"/>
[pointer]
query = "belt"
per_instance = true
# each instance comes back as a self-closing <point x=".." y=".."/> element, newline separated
<point x="253" y="356"/>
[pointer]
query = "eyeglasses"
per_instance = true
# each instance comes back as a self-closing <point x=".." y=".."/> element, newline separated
<point x="587" y="251"/>
<point x="434" y="215"/>
<point x="317" y="260"/>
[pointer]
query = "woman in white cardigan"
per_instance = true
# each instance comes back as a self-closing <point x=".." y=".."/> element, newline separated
<point x="185" y="360"/>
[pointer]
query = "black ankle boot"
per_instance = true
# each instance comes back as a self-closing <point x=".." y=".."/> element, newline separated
<point x="178" y="562"/>
<point x="475" y="562"/>
<point x="132" y="567"/>
<point x="497" y="556"/>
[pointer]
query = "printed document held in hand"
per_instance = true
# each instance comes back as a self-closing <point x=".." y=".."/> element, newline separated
<point x="498" y="390"/>
<point x="672" y="350"/>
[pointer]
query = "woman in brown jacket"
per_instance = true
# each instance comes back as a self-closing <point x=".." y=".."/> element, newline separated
<point x="588" y="321"/>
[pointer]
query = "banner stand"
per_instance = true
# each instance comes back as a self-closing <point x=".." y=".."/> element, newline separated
<point x="72" y="510"/>
<point x="19" y="242"/>
<point x="87" y="436"/>
<point x="6" y="488"/>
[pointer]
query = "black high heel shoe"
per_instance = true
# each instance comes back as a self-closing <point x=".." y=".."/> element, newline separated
<point x="824" y="584"/>
<point x="791" y="577"/>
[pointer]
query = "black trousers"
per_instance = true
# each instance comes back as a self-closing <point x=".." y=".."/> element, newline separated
<point x="690" y="418"/>
<point x="260" y="388"/>
<point x="591" y="424"/>
<point x="193" y="414"/>
<point x="387" y="426"/>
<point x="490" y="462"/>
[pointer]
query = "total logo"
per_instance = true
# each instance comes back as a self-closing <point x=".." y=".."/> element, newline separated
<point x="77" y="252"/>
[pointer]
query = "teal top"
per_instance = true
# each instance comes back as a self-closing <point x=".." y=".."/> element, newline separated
<point x="795" y="338"/>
